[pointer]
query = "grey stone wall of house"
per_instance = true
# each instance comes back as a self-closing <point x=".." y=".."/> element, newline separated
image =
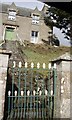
<point x="0" y="25"/>
<point x="25" y="27"/>
<point x="44" y="31"/>
<point x="63" y="89"/>
<point x="3" y="76"/>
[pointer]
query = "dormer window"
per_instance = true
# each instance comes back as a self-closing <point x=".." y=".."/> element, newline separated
<point x="12" y="15"/>
<point x="35" y="19"/>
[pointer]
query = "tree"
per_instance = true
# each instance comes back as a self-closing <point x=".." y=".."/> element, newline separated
<point x="60" y="19"/>
<point x="55" y="41"/>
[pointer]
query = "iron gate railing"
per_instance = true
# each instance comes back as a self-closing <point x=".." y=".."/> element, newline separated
<point x="35" y="93"/>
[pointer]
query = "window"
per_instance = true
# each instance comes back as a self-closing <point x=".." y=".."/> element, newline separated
<point x="34" y="36"/>
<point x="34" y="33"/>
<point x="35" y="19"/>
<point x="12" y="15"/>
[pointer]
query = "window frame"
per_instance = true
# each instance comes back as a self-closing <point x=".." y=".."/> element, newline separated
<point x="34" y="34"/>
<point x="34" y="37"/>
<point x="35" y="19"/>
<point x="12" y="16"/>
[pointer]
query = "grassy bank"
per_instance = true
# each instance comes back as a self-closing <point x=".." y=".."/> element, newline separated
<point x="43" y="53"/>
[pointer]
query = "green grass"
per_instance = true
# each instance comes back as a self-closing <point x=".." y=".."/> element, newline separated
<point x="43" y="53"/>
<point x="37" y="57"/>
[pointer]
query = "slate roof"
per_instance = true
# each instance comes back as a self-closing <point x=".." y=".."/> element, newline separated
<point x="4" y="8"/>
<point x="64" y="57"/>
<point x="26" y="12"/>
<point x="45" y="7"/>
<point x="13" y="6"/>
<point x="21" y="11"/>
<point x="36" y="11"/>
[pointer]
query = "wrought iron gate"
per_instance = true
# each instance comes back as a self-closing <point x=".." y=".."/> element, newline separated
<point x="35" y="93"/>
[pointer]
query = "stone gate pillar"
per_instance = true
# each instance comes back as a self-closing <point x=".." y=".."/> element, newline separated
<point x="4" y="57"/>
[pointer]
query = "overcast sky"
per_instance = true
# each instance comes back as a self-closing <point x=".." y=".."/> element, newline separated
<point x="26" y="3"/>
<point x="63" y="41"/>
<point x="32" y="4"/>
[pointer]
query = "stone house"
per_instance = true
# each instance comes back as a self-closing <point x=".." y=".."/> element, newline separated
<point x="24" y="24"/>
<point x="63" y="85"/>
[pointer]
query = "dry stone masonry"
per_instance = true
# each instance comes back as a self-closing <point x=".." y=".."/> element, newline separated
<point x="3" y="76"/>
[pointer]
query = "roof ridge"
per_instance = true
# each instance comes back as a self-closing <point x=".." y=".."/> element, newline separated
<point x="16" y="6"/>
<point x="24" y="8"/>
<point x="21" y="11"/>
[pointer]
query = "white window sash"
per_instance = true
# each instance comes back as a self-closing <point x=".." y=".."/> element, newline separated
<point x="34" y="39"/>
<point x="12" y="15"/>
<point x="35" y="19"/>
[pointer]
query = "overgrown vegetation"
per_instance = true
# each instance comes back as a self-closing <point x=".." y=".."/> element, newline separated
<point x="60" y="19"/>
<point x="43" y="53"/>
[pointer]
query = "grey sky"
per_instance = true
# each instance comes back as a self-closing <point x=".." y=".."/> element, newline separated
<point x="32" y="4"/>
<point x="26" y="3"/>
<point x="63" y="41"/>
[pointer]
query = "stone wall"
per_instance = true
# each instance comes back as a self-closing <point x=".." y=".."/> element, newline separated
<point x="26" y="27"/>
<point x="63" y="89"/>
<point x="58" y="90"/>
<point x="3" y="76"/>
